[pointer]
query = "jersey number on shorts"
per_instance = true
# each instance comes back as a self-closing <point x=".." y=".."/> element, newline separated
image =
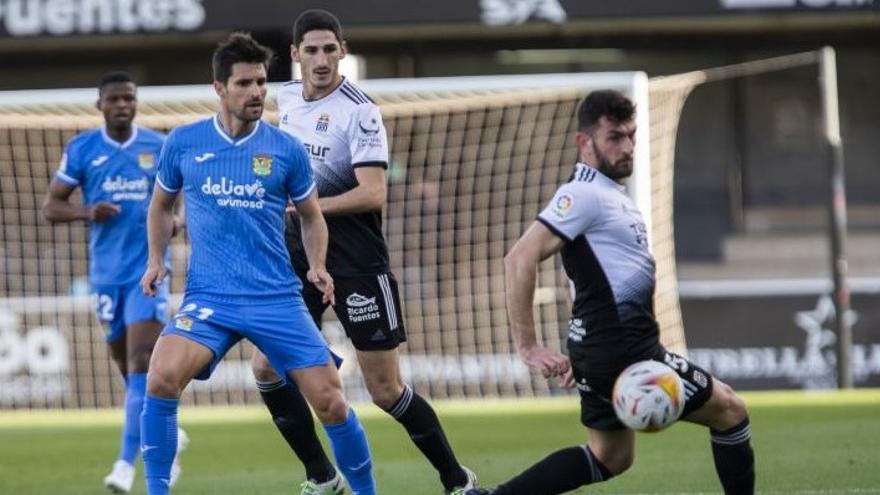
<point x="105" y="307"/>
<point x="204" y="313"/>
<point x="677" y="363"/>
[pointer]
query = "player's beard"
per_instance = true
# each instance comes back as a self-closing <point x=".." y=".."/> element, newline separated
<point x="621" y="169"/>
<point x="246" y="115"/>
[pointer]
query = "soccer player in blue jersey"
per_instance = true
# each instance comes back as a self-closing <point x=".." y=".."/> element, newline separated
<point x="236" y="175"/>
<point x="115" y="165"/>
<point x="600" y="235"/>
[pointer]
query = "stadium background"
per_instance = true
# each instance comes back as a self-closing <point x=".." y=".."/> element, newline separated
<point x="751" y="182"/>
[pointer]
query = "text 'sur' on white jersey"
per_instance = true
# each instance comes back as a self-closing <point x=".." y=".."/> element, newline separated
<point x="341" y="132"/>
<point x="607" y="257"/>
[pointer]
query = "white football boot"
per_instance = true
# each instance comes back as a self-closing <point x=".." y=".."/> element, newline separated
<point x="470" y="485"/>
<point x="182" y="444"/>
<point x="121" y="478"/>
<point x="336" y="486"/>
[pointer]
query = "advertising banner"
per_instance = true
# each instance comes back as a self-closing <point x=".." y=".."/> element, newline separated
<point x="50" y="18"/>
<point x="781" y="341"/>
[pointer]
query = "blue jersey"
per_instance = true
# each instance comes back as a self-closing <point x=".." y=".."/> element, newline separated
<point x="235" y="191"/>
<point x="123" y="174"/>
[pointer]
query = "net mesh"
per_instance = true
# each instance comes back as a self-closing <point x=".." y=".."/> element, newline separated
<point x="667" y="97"/>
<point x="468" y="172"/>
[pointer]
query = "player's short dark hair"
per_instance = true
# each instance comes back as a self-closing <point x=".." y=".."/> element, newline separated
<point x="315" y="20"/>
<point x="116" y="76"/>
<point x="608" y="103"/>
<point x="239" y="47"/>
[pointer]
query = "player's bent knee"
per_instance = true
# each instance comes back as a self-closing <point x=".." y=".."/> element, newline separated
<point x="736" y="409"/>
<point x="618" y="462"/>
<point x="332" y="409"/>
<point x="731" y="410"/>
<point x="615" y="458"/>
<point x="139" y="362"/>
<point x="163" y="382"/>
<point x="385" y="395"/>
<point x="263" y="370"/>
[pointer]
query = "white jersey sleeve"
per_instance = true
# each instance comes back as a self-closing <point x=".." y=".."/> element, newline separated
<point x="573" y="209"/>
<point x="369" y="141"/>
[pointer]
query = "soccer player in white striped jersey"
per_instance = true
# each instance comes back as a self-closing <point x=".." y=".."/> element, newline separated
<point x="604" y="247"/>
<point x="343" y="132"/>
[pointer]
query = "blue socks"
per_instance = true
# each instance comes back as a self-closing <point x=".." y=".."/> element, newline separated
<point x="159" y="442"/>
<point x="135" y="389"/>
<point x="349" y="443"/>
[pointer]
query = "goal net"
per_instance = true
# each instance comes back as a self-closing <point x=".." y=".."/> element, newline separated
<point x="472" y="161"/>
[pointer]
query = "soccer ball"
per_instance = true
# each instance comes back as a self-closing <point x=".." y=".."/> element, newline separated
<point x="648" y="396"/>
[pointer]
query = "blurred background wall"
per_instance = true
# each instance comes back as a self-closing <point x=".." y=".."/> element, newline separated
<point x="745" y="162"/>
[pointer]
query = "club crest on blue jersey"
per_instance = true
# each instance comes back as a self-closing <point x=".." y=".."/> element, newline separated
<point x="262" y="164"/>
<point x="323" y="123"/>
<point x="146" y="161"/>
<point x="184" y="323"/>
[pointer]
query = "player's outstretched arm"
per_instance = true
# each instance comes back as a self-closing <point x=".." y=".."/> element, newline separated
<point x="369" y="195"/>
<point x="160" y="226"/>
<point x="520" y="272"/>
<point x="58" y="208"/>
<point x="315" y="236"/>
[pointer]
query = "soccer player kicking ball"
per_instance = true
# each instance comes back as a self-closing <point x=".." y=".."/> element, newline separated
<point x="604" y="247"/>
<point x="237" y="176"/>
<point x="344" y="134"/>
<point x="115" y="165"/>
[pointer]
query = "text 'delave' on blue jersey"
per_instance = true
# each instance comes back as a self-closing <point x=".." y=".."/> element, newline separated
<point x="235" y="191"/>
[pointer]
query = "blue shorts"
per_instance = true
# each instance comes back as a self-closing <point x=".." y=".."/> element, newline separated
<point x="118" y="306"/>
<point x="284" y="332"/>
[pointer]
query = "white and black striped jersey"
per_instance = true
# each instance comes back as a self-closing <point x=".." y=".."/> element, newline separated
<point x="341" y="131"/>
<point x="607" y="258"/>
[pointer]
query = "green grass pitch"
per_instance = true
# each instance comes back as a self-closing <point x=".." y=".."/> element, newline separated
<point x="811" y="444"/>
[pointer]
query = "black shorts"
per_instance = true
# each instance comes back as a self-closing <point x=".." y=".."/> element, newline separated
<point x="595" y="386"/>
<point x="368" y="308"/>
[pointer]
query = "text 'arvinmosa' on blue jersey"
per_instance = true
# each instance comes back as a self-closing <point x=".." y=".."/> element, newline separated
<point x="235" y="192"/>
<point x="123" y="174"/>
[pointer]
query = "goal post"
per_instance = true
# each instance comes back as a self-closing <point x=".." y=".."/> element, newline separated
<point x="472" y="162"/>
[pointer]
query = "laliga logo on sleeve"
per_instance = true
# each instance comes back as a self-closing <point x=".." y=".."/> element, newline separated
<point x="562" y="205"/>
